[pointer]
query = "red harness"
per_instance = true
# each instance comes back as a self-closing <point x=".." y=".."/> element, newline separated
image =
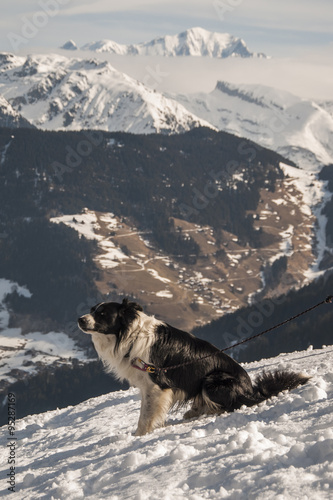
<point x="145" y="367"/>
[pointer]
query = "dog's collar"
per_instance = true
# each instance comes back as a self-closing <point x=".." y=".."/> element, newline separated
<point x="142" y="366"/>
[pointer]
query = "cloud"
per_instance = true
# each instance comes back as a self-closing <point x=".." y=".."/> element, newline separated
<point x="271" y="27"/>
<point x="300" y="15"/>
<point x="303" y="15"/>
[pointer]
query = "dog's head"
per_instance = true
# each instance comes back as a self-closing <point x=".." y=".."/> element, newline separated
<point x="109" y="318"/>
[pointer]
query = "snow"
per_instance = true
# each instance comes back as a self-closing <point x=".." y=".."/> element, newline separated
<point x="61" y="93"/>
<point x="315" y="195"/>
<point x="87" y="225"/>
<point x="112" y="256"/>
<point x="166" y="294"/>
<point x="195" y="42"/>
<point x="281" y="449"/>
<point x="298" y="129"/>
<point x="286" y="245"/>
<point x="155" y="274"/>
<point x="66" y="93"/>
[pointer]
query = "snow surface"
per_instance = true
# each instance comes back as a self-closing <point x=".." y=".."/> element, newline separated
<point x="281" y="449"/>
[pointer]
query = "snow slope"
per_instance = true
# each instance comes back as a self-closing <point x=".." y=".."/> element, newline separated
<point x="282" y="449"/>
<point x="192" y="42"/>
<point x="299" y="129"/>
<point x="11" y="118"/>
<point x="58" y="93"/>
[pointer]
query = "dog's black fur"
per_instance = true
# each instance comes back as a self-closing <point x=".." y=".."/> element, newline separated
<point x="216" y="384"/>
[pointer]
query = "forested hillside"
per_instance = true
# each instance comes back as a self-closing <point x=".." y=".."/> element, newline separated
<point x="202" y="176"/>
<point x="313" y="328"/>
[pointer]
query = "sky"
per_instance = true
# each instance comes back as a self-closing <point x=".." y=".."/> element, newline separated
<point x="276" y="28"/>
<point x="297" y="34"/>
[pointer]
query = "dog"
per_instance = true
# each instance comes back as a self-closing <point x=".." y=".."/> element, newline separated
<point x="171" y="366"/>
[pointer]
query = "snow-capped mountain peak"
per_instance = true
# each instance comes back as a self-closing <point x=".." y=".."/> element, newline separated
<point x="192" y="42"/>
<point x="55" y="92"/>
<point x="297" y="128"/>
<point x="70" y="45"/>
<point x="107" y="46"/>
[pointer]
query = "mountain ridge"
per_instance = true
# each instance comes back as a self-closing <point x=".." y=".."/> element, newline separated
<point x="54" y="92"/>
<point x="299" y="129"/>
<point x="194" y="42"/>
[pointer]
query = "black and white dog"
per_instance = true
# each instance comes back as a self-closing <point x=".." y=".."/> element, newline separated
<point x="137" y="347"/>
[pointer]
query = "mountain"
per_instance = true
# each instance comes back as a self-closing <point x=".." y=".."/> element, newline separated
<point x="185" y="230"/>
<point x="59" y="93"/>
<point x="70" y="45"/>
<point x="297" y="128"/>
<point x="55" y="93"/>
<point x="11" y="118"/>
<point x="282" y="448"/>
<point x="192" y="42"/>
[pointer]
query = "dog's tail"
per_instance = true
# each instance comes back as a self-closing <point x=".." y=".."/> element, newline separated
<point x="270" y="384"/>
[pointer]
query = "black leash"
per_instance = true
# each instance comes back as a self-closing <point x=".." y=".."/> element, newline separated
<point x="146" y="367"/>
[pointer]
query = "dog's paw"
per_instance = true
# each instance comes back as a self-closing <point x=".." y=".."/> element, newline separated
<point x="139" y="432"/>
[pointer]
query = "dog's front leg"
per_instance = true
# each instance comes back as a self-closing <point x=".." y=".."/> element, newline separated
<point x="155" y="405"/>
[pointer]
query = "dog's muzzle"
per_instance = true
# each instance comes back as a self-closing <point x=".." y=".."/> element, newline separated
<point x="86" y="323"/>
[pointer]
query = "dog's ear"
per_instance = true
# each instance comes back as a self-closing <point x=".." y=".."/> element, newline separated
<point x="126" y="306"/>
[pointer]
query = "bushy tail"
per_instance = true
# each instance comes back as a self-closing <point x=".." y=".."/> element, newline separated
<point x="270" y="384"/>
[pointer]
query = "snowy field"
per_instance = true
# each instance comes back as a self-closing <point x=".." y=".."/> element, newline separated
<point x="282" y="449"/>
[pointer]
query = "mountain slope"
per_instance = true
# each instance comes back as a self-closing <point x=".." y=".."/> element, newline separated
<point x="54" y="93"/>
<point x="59" y="93"/>
<point x="201" y="220"/>
<point x="11" y="118"/>
<point x="298" y="129"/>
<point x="280" y="449"/>
<point x="192" y="42"/>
